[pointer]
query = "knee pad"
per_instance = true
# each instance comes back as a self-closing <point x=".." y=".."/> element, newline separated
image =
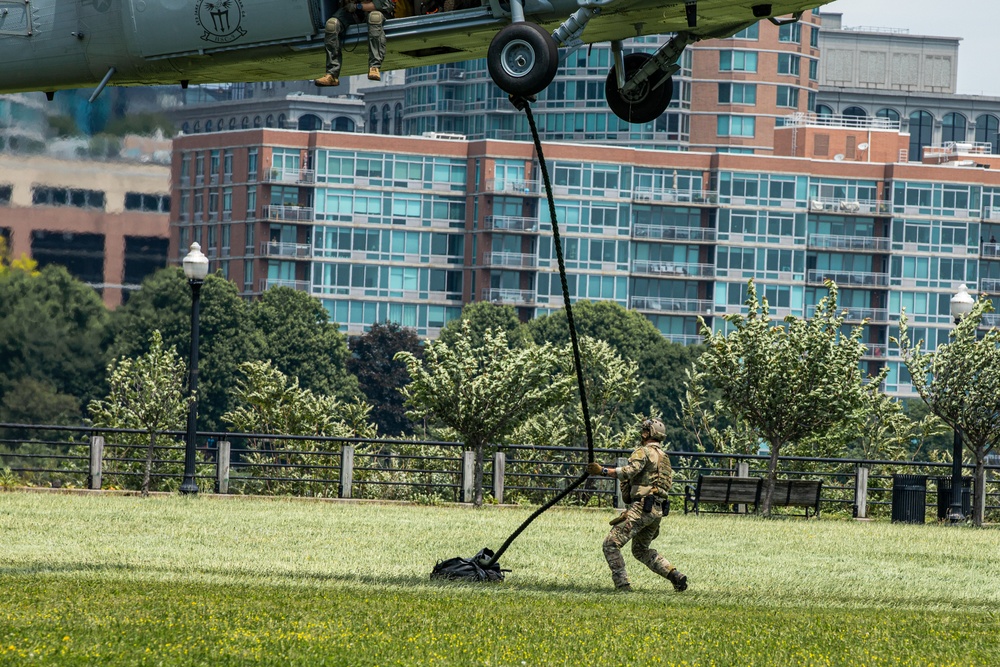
<point x="332" y="25"/>
<point x="375" y="17"/>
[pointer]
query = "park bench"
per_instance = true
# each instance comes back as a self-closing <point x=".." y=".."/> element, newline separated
<point x="730" y="491"/>
<point x="797" y="493"/>
<point x="724" y="491"/>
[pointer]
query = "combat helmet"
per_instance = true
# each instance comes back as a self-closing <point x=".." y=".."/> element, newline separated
<point x="657" y="431"/>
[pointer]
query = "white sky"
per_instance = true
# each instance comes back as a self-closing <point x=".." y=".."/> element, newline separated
<point x="976" y="21"/>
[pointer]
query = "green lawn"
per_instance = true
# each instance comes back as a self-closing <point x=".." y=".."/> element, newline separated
<point x="169" y="580"/>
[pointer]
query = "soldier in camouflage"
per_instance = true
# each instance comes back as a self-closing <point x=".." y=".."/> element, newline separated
<point x="372" y="12"/>
<point x="646" y="479"/>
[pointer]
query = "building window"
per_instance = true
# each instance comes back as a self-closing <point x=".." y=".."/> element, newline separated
<point x="812" y="101"/>
<point x="738" y="93"/>
<point x="232" y="123"/>
<point x="751" y="33"/>
<point x="953" y="128"/>
<point x="813" y="70"/>
<point x="269" y="122"/>
<point x="386" y="120"/>
<point x="888" y="114"/>
<point x="139" y="201"/>
<point x="398" y="128"/>
<point x="823" y="110"/>
<point x="6" y="191"/>
<point x="373" y="121"/>
<point x="245" y="123"/>
<point x="788" y="64"/>
<point x="814" y="36"/>
<point x="46" y="196"/>
<point x="737" y="61"/>
<point x="987" y="127"/>
<point x="790" y="32"/>
<point x="856" y="112"/>
<point x="256" y="121"/>
<point x="252" y="165"/>
<point x="921" y="133"/>
<point x="788" y="97"/>
<point x="736" y="126"/>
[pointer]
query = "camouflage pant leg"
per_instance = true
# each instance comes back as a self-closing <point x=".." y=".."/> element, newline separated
<point x="646" y="555"/>
<point x="335" y="25"/>
<point x="635" y="522"/>
<point x="376" y="39"/>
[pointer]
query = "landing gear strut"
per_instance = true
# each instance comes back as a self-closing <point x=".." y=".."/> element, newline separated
<point x="523" y="59"/>
<point x="646" y="101"/>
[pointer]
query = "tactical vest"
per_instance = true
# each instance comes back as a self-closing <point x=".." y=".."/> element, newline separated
<point x="656" y="476"/>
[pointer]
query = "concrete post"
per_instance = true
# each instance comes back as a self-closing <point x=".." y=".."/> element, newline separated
<point x="346" y="470"/>
<point x="96" y="457"/>
<point x="861" y="492"/>
<point x="222" y="467"/>
<point x="499" y="463"/>
<point x="468" y="476"/>
<point x="742" y="470"/>
<point x="619" y="501"/>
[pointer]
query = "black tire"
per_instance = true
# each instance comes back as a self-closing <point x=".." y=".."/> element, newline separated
<point x="646" y="103"/>
<point x="523" y="59"/>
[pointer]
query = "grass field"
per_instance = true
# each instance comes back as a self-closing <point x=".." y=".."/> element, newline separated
<point x="178" y="581"/>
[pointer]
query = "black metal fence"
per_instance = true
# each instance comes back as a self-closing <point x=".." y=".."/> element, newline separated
<point x="424" y="471"/>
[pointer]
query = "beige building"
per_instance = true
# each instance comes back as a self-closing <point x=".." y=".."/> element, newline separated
<point x="107" y="222"/>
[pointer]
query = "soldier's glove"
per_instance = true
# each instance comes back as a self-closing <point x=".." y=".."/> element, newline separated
<point x="594" y="469"/>
<point x="351" y="7"/>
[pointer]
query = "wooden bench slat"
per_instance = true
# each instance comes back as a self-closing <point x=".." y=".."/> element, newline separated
<point x="726" y="490"/>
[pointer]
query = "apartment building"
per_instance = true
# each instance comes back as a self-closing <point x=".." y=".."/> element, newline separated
<point x="412" y="231"/>
<point x="106" y="222"/>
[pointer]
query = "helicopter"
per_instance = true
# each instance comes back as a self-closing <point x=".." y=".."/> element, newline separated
<point x="48" y="45"/>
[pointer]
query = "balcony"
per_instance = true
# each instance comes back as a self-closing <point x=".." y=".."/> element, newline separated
<point x="514" y="297"/>
<point x="296" y="176"/>
<point x="873" y="315"/>
<point x="282" y="213"/>
<point x="876" y="351"/>
<point x="670" y="305"/>
<point x="831" y="120"/>
<point x="673" y="233"/>
<point x="675" y="196"/>
<point x="991" y="213"/>
<point x="517" y="260"/>
<point x="673" y="269"/>
<point x="990" y="285"/>
<point x="849" y="206"/>
<point x="290" y="250"/>
<point x="990" y="250"/>
<point x="860" y="243"/>
<point x="520" y="187"/>
<point x="990" y="320"/>
<point x="852" y="278"/>
<point x="267" y="283"/>
<point x="684" y="339"/>
<point x="509" y="223"/>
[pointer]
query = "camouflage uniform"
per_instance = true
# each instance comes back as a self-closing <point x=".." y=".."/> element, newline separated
<point x="648" y="473"/>
<point x="376" y="33"/>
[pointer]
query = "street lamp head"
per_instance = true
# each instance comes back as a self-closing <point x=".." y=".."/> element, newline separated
<point x="961" y="303"/>
<point x="196" y="264"/>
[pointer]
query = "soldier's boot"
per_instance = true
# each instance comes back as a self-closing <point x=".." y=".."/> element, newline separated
<point x="373" y="74"/>
<point x="680" y="581"/>
<point x="624" y="588"/>
<point x="327" y="80"/>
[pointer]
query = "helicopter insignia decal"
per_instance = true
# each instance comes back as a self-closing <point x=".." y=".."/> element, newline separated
<point x="220" y="19"/>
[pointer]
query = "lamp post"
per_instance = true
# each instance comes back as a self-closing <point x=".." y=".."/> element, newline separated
<point x="195" y="268"/>
<point x="961" y="305"/>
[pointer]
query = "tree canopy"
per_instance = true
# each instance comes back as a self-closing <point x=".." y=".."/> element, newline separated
<point x="784" y="382"/>
<point x="381" y="375"/>
<point x="483" y="316"/>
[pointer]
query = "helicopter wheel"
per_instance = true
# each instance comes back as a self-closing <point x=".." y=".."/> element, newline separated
<point x="523" y="59"/>
<point x="645" y="103"/>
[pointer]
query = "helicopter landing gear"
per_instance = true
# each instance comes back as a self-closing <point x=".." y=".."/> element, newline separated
<point x="644" y="102"/>
<point x="523" y="59"/>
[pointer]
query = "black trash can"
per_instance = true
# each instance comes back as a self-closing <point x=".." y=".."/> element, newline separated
<point x="909" y="498"/>
<point x="944" y="497"/>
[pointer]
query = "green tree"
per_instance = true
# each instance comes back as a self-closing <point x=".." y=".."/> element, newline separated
<point x="299" y="339"/>
<point x="786" y="382"/>
<point x="960" y="382"/>
<point x="483" y="392"/>
<point x="146" y="393"/>
<point x="54" y="329"/>
<point x="483" y="316"/>
<point x="227" y="335"/>
<point x="381" y="376"/>
<point x="661" y="363"/>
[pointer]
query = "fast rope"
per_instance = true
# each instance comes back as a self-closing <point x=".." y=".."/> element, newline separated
<point x="522" y="104"/>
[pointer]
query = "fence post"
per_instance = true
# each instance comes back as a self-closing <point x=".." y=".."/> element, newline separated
<point x="499" y="462"/>
<point x="346" y="470"/>
<point x="861" y="492"/>
<point x="222" y="467"/>
<point x="619" y="501"/>
<point x="742" y="470"/>
<point x="468" y="476"/>
<point x="96" y="457"/>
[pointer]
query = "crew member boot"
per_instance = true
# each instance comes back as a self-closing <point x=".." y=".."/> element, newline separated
<point x="679" y="580"/>
<point x="373" y="74"/>
<point x="327" y="80"/>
